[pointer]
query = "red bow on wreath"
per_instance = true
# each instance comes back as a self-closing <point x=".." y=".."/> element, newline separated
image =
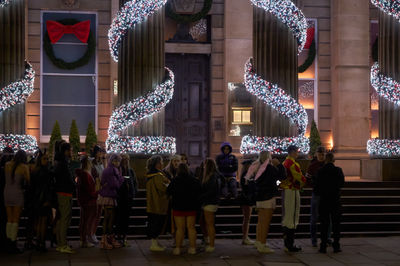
<point x="310" y="37"/>
<point x="56" y="30"/>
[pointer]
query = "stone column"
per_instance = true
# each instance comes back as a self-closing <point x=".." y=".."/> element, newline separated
<point x="12" y="62"/>
<point x="350" y="71"/>
<point x="275" y="60"/>
<point x="141" y="68"/>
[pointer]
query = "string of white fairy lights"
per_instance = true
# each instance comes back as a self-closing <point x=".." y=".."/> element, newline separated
<point x="131" y="14"/>
<point x="129" y="114"/>
<point x="290" y="15"/>
<point x="274" y="96"/>
<point x="11" y="95"/>
<point x="4" y="3"/>
<point x="387" y="88"/>
<point x="279" y="100"/>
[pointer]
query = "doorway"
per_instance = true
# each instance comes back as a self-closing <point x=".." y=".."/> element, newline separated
<point x="187" y="114"/>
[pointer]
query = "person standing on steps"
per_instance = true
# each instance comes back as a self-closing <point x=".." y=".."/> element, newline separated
<point x="227" y="164"/>
<point x="157" y="200"/>
<point x="111" y="181"/>
<point x="247" y="201"/>
<point x="126" y="195"/>
<point x="265" y="172"/>
<point x="185" y="192"/>
<point x="328" y="184"/>
<point x="6" y="156"/>
<point x="316" y="164"/>
<point x="291" y="187"/>
<point x="64" y="187"/>
<point x="16" y="175"/>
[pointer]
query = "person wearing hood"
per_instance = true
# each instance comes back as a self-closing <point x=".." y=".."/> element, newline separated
<point x="64" y="187"/>
<point x="227" y="164"/>
<point x="111" y="181"/>
<point x="157" y="200"/>
<point x="87" y="196"/>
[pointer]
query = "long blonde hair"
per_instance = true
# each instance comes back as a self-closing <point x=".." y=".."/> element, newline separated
<point x="210" y="167"/>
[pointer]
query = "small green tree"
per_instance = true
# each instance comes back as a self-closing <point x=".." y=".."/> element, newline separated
<point x="74" y="139"/>
<point x="315" y="139"/>
<point x="91" y="138"/>
<point x="55" y="135"/>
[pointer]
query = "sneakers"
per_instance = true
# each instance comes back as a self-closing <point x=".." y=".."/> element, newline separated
<point x="92" y="239"/>
<point x="247" y="241"/>
<point x="192" y="251"/>
<point x="66" y="249"/>
<point x="155" y="246"/>
<point x="176" y="251"/>
<point x="265" y="249"/>
<point x="210" y="249"/>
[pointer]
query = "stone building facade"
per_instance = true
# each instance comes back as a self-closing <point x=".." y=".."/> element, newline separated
<point x="341" y="105"/>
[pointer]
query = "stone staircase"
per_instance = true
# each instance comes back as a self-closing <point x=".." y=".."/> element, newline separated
<point x="369" y="209"/>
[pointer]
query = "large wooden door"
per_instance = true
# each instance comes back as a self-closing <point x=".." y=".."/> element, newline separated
<point x="187" y="115"/>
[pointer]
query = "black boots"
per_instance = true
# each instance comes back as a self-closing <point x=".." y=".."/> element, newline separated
<point x="288" y="239"/>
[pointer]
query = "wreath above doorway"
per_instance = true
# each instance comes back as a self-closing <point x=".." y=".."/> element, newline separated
<point x="60" y="63"/>
<point x="185" y="19"/>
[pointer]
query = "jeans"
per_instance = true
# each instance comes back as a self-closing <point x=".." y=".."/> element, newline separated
<point x="65" y="210"/>
<point x="330" y="213"/>
<point x="230" y="187"/>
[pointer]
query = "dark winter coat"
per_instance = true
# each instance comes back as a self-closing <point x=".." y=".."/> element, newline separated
<point x="329" y="181"/>
<point x="65" y="182"/>
<point x="42" y="187"/>
<point x="227" y="163"/>
<point x="312" y="171"/>
<point x="185" y="192"/>
<point x="128" y="189"/>
<point x="210" y="191"/>
<point x="266" y="186"/>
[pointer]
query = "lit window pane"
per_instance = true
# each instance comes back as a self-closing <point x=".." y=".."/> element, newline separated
<point x="246" y="116"/>
<point x="237" y="116"/>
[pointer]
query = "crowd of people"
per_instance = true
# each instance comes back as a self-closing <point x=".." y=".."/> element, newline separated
<point x="177" y="198"/>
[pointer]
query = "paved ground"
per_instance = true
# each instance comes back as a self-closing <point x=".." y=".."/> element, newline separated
<point x="356" y="251"/>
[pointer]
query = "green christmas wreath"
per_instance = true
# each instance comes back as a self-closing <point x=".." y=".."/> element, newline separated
<point x="184" y="19"/>
<point x="60" y="63"/>
<point x="310" y="58"/>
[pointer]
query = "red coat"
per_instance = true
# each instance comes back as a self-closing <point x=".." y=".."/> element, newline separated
<point x="86" y="188"/>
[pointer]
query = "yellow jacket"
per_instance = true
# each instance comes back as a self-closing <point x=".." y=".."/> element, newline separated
<point x="294" y="178"/>
<point x="156" y="193"/>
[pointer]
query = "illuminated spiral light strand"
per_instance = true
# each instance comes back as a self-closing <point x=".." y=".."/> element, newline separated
<point x="132" y="13"/>
<point x="4" y="3"/>
<point x="11" y="95"/>
<point x="271" y="94"/>
<point x="290" y="15"/>
<point x="132" y="112"/>
<point x="387" y="88"/>
<point x="279" y="100"/>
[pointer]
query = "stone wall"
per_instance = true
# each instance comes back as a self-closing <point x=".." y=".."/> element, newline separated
<point x="103" y="9"/>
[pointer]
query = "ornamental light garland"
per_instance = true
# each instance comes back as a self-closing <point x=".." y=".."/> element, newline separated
<point x="18" y="91"/>
<point x="132" y="112"/>
<point x="132" y="13"/>
<point x="19" y="142"/>
<point x="4" y="3"/>
<point x="279" y="100"/>
<point x="128" y="114"/>
<point x="13" y="94"/>
<point x="386" y="87"/>
<point x="290" y="15"/>
<point x="390" y="7"/>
